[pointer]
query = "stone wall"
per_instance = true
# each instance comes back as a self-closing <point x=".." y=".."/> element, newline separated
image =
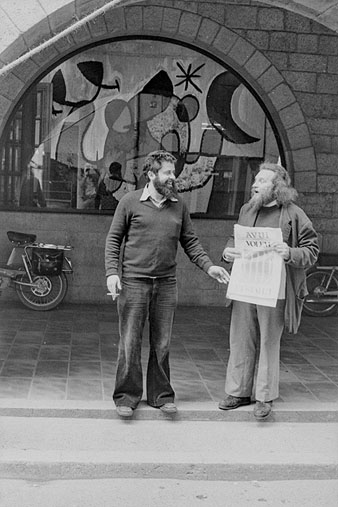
<point x="289" y="61"/>
<point x="87" y="234"/>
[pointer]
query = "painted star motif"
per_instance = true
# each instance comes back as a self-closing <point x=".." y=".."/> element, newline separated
<point x="188" y="75"/>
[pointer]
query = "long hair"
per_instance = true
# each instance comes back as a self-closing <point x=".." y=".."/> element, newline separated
<point x="154" y="160"/>
<point x="283" y="192"/>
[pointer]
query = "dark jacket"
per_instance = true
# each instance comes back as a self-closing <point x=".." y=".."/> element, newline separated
<point x="299" y="234"/>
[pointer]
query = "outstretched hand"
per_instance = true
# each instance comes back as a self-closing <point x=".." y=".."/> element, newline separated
<point x="220" y="274"/>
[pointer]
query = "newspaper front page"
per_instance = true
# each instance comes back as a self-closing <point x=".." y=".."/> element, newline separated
<point x="256" y="275"/>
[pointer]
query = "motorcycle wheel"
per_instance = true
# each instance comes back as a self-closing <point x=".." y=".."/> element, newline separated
<point x="48" y="294"/>
<point x="316" y="282"/>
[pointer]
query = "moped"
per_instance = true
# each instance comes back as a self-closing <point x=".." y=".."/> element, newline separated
<point x="322" y="284"/>
<point x="37" y="271"/>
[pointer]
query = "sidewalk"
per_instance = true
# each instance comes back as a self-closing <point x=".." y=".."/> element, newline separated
<point x="69" y="354"/>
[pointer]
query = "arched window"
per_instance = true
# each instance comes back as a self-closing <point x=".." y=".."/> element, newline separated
<point x="78" y="139"/>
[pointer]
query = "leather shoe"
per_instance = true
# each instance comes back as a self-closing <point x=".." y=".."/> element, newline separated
<point x="124" y="411"/>
<point x="231" y="402"/>
<point x="262" y="409"/>
<point x="169" y="408"/>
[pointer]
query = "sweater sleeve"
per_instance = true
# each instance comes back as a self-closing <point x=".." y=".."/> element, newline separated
<point x="115" y="236"/>
<point x="191" y="244"/>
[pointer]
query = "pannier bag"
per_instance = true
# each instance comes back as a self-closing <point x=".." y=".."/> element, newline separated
<point x="47" y="261"/>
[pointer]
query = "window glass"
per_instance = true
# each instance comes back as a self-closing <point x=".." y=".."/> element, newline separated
<point x="79" y="138"/>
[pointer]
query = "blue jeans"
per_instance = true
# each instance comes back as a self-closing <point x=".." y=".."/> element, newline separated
<point x="141" y="298"/>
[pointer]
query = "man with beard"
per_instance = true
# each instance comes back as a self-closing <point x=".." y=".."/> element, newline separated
<point x="255" y="327"/>
<point x="151" y="221"/>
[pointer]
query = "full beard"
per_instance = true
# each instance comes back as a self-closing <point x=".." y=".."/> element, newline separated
<point x="167" y="189"/>
<point x="257" y="201"/>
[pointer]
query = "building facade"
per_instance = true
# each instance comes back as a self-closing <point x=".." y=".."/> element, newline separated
<point x="88" y="88"/>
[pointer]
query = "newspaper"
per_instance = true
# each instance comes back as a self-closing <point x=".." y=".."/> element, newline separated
<point x="256" y="275"/>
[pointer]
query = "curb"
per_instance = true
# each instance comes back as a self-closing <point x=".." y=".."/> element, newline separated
<point x="282" y="412"/>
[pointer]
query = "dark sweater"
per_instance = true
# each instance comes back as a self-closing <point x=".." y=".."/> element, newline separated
<point x="151" y="237"/>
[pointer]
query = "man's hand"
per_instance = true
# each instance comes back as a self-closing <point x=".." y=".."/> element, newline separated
<point x="114" y="286"/>
<point x="220" y="274"/>
<point x="230" y="254"/>
<point x="282" y="249"/>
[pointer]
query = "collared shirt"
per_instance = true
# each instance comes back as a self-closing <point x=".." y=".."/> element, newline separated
<point x="146" y="194"/>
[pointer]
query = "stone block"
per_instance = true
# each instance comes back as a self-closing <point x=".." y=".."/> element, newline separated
<point x="328" y="45"/>
<point x="257" y="64"/>
<point x="62" y="18"/>
<point x="308" y="63"/>
<point x="45" y="56"/>
<point x="14" y="50"/>
<point x="291" y="115"/>
<point x="279" y="58"/>
<point x="9" y="32"/>
<point x="332" y="64"/>
<point x="281" y="96"/>
<point x="299" y="136"/>
<point x="297" y="23"/>
<point x="323" y="144"/>
<point x="115" y="20"/>
<point x="189" y="24"/>
<point x="63" y="44"/>
<point x="258" y="38"/>
<point x="301" y="81"/>
<point x="305" y="181"/>
<point x="323" y="126"/>
<point x="5" y="105"/>
<point x="330" y="243"/>
<point x="207" y="31"/>
<point x="270" y="19"/>
<point x="26" y="70"/>
<point x="171" y="19"/>
<point x="334" y="142"/>
<point x="85" y="7"/>
<point x="212" y="10"/>
<point x="241" y="16"/>
<point x="304" y="161"/>
<point x="327" y="84"/>
<point x="81" y="34"/>
<point x="186" y="6"/>
<point x="327" y="183"/>
<point x="241" y="51"/>
<point x="283" y="41"/>
<point x="152" y="18"/>
<point x="38" y="33"/>
<point x="134" y="21"/>
<point x="314" y="205"/>
<point x="11" y="86"/>
<point x="270" y="79"/>
<point x="329" y="105"/>
<point x="335" y="206"/>
<point x="327" y="163"/>
<point x="225" y="40"/>
<point x="97" y="26"/>
<point x="307" y="43"/>
<point x="24" y="14"/>
<point x="310" y="104"/>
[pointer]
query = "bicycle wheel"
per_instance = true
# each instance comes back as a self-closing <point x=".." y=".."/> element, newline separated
<point x="316" y="285"/>
<point x="46" y="295"/>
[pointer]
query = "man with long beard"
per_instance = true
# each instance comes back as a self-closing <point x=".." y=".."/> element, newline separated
<point x="254" y="326"/>
<point x="151" y="221"/>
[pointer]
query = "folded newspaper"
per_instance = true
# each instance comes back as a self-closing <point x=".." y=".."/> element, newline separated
<point x="256" y="275"/>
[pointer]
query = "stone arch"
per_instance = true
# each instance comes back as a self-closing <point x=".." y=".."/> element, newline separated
<point x="169" y="23"/>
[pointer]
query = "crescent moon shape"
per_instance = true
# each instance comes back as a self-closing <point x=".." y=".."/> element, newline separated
<point x="218" y="104"/>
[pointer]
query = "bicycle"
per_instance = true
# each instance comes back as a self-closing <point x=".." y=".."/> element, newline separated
<point x="322" y="285"/>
